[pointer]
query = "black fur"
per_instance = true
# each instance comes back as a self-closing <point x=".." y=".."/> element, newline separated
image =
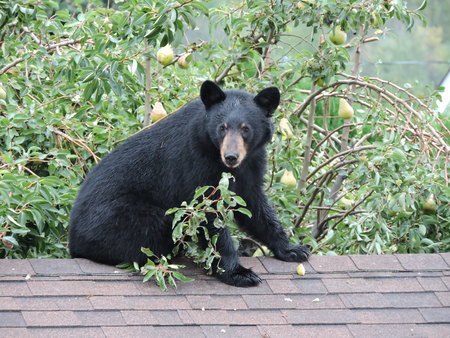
<point x="121" y="205"/>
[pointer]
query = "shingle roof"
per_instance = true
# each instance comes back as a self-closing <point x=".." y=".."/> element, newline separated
<point x="340" y="296"/>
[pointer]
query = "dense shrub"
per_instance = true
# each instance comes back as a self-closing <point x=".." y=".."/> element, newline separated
<point x="80" y="77"/>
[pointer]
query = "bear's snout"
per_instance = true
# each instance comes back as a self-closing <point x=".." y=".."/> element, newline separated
<point x="233" y="149"/>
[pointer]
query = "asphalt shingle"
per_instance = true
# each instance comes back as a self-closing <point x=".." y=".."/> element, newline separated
<point x="347" y="296"/>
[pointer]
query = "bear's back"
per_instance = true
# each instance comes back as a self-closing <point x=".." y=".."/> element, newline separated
<point x="155" y="158"/>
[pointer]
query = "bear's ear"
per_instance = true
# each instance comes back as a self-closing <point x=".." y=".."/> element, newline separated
<point x="210" y="93"/>
<point x="268" y="99"/>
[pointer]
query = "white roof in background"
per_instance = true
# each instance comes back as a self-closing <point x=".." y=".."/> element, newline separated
<point x="445" y="94"/>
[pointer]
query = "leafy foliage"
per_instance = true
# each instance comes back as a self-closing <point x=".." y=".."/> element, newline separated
<point x="190" y="235"/>
<point x="216" y="204"/>
<point x="158" y="267"/>
<point x="81" y="76"/>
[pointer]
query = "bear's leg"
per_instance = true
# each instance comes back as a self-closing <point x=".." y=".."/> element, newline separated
<point x="235" y="274"/>
<point x="265" y="227"/>
<point x="115" y="233"/>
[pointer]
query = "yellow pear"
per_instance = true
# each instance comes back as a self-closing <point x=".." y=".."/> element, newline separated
<point x="348" y="203"/>
<point x="183" y="60"/>
<point x="301" y="270"/>
<point x="288" y="179"/>
<point x="2" y="93"/>
<point x="345" y="110"/>
<point x="258" y="252"/>
<point x="165" y="55"/>
<point x="158" y="112"/>
<point x="107" y="22"/>
<point x="338" y="36"/>
<point x="285" y="128"/>
<point x="301" y="5"/>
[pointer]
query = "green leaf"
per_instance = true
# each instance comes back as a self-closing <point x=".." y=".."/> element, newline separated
<point x="200" y="191"/>
<point x="181" y="277"/>
<point x="148" y="252"/>
<point x="422" y="229"/>
<point x="177" y="232"/>
<point x="124" y="265"/>
<point x="245" y="212"/>
<point x="150" y="265"/>
<point x="423" y="5"/>
<point x="149" y="275"/>
<point x="172" y="282"/>
<point x="239" y="200"/>
<point x="225" y="181"/>
<point x="160" y="280"/>
<point x="171" y="211"/>
<point x="11" y="240"/>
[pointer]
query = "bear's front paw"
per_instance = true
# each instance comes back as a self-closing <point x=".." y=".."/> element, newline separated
<point x="293" y="253"/>
<point x="240" y="276"/>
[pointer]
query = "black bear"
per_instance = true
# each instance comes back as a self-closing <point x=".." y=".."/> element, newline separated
<point x="121" y="205"/>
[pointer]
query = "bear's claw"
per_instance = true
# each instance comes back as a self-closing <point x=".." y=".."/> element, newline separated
<point x="293" y="253"/>
<point x="240" y="276"/>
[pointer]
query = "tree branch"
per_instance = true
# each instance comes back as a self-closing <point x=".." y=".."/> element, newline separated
<point x="49" y="48"/>
<point x="225" y="72"/>
<point x="307" y="155"/>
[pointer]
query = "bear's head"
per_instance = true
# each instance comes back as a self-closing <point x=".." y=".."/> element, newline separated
<point x="238" y="123"/>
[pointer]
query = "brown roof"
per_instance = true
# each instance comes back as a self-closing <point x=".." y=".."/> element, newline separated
<point x="340" y="296"/>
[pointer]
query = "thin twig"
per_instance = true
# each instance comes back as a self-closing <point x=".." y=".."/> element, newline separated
<point x="51" y="101"/>
<point x="78" y="143"/>
<point x="148" y="84"/>
<point x="342" y="216"/>
<point x="335" y="168"/>
<point x="299" y="220"/>
<point x="324" y="132"/>
<point x="341" y="154"/>
<point x="331" y="133"/>
<point x="183" y="4"/>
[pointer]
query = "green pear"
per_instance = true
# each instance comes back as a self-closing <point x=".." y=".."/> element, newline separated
<point x="345" y="110"/>
<point x="165" y="55"/>
<point x="429" y="204"/>
<point x="320" y="83"/>
<point x="338" y="36"/>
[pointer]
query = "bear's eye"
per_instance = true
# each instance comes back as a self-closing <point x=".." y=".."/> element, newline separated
<point x="223" y="127"/>
<point x="245" y="129"/>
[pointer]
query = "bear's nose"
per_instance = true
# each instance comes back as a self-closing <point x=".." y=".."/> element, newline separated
<point x="231" y="158"/>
